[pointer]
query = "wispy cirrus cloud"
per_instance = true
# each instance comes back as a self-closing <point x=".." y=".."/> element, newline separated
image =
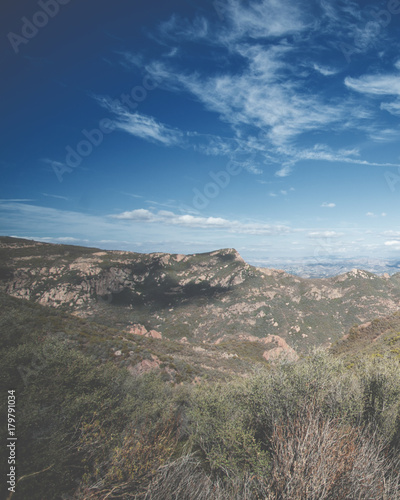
<point x="18" y="200"/>
<point x="323" y="152"/>
<point x="240" y="20"/>
<point x="379" y="86"/>
<point x="132" y="195"/>
<point x="392" y="107"/>
<point x="375" y="84"/>
<point x="141" y="125"/>
<point x="257" y="98"/>
<point x="150" y="129"/>
<point x="56" y="196"/>
<point x="248" y="19"/>
<point x="270" y="97"/>
<point x="324" y="70"/>
<point x="281" y="192"/>
<point x="384" y="135"/>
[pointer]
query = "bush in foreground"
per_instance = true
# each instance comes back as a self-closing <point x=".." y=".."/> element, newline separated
<point x="314" y="429"/>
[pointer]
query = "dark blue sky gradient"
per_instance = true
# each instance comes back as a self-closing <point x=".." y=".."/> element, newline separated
<point x="302" y="98"/>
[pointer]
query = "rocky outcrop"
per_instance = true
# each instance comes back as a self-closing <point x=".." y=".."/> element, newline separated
<point x="145" y="366"/>
<point x="141" y="330"/>
<point x="281" y="351"/>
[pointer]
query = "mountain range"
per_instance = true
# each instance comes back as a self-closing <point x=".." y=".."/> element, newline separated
<point x="207" y="299"/>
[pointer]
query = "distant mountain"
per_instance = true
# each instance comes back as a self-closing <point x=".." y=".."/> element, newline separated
<point x="213" y="297"/>
<point x="312" y="267"/>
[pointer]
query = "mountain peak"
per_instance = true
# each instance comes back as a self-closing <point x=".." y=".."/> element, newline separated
<point x="228" y="251"/>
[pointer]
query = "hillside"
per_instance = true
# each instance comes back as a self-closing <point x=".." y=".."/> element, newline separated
<point x="96" y="420"/>
<point x="374" y="339"/>
<point x="210" y="297"/>
<point x="114" y="400"/>
<point x="176" y="361"/>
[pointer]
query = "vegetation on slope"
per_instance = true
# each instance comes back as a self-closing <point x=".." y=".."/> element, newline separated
<point x="89" y="429"/>
<point x="377" y="338"/>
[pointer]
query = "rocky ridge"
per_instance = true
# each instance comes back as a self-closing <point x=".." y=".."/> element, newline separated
<point x="201" y="297"/>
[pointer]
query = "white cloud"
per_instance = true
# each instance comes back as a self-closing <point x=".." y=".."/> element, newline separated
<point x="140" y="125"/>
<point x="129" y="59"/>
<point x="324" y="70"/>
<point x="269" y="96"/>
<point x="147" y="127"/>
<point x="17" y="200"/>
<point x="323" y="152"/>
<point x="254" y="20"/>
<point x="256" y="97"/>
<point x="69" y="239"/>
<point x="325" y="204"/>
<point x="281" y="113"/>
<point x="282" y="192"/>
<point x="250" y="20"/>
<point x="384" y="135"/>
<point x="190" y="221"/>
<point x="325" y="234"/>
<point x="375" y="84"/>
<point x="132" y="195"/>
<point x="284" y="171"/>
<point x="57" y="196"/>
<point x="392" y="107"/>
<point x="383" y="214"/>
<point x="379" y="85"/>
<point x="391" y="233"/>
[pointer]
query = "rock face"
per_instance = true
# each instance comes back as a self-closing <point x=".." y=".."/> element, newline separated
<point x="281" y="351"/>
<point x="195" y="297"/>
<point x="279" y="347"/>
<point x="145" y="366"/>
<point x="141" y="330"/>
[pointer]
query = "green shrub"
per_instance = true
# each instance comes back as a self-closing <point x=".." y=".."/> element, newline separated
<point x="219" y="429"/>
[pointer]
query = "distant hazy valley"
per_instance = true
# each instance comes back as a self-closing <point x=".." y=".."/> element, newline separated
<point x="313" y="267"/>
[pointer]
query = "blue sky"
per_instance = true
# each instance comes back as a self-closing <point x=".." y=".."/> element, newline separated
<point x="186" y="126"/>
